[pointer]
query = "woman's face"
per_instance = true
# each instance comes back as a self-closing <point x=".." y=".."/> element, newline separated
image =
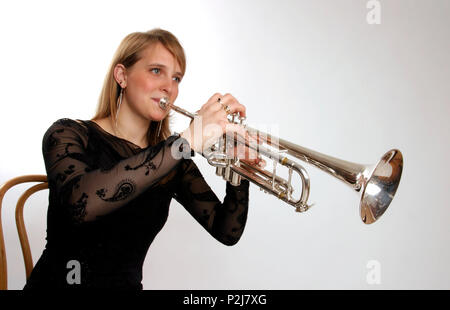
<point x="156" y="75"/>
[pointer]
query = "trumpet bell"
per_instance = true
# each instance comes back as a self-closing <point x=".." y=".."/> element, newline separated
<point x="380" y="187"/>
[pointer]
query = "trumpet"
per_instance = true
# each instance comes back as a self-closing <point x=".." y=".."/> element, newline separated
<point x="377" y="184"/>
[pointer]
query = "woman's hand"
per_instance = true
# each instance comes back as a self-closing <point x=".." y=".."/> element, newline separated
<point x="212" y="122"/>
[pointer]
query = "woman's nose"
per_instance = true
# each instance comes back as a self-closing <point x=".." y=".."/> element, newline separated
<point x="166" y="85"/>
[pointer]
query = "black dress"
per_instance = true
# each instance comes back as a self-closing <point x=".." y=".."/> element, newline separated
<point x="108" y="199"/>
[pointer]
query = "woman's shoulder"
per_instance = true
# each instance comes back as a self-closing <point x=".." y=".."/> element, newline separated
<point x="63" y="123"/>
<point x="66" y="127"/>
<point x="68" y="122"/>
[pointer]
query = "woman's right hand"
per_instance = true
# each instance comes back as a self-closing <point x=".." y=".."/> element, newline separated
<point x="212" y="122"/>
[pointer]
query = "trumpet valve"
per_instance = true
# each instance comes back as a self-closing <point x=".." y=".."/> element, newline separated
<point x="235" y="179"/>
<point x="219" y="171"/>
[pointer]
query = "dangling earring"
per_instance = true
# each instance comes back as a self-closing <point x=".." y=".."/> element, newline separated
<point x="119" y="103"/>
<point x="159" y="128"/>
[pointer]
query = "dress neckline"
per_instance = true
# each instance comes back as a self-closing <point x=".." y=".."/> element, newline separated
<point x="104" y="132"/>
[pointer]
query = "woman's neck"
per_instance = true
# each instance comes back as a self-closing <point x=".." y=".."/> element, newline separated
<point x="126" y="128"/>
<point x="131" y="127"/>
<point x="128" y="135"/>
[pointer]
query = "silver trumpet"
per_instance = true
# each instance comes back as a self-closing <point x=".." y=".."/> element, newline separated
<point x="376" y="183"/>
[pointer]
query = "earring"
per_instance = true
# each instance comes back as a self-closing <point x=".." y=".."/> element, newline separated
<point x="119" y="103"/>
<point x="159" y="128"/>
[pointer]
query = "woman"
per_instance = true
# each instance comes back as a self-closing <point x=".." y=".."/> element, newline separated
<point x="112" y="178"/>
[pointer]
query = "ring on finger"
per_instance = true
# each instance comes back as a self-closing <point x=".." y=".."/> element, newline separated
<point x="226" y="108"/>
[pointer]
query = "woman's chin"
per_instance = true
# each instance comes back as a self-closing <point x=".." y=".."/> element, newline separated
<point x="157" y="117"/>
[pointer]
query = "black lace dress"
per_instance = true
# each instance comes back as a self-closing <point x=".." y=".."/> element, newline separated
<point x="108" y="199"/>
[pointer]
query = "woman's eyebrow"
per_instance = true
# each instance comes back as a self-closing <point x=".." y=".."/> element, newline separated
<point x="163" y="66"/>
<point x="157" y="65"/>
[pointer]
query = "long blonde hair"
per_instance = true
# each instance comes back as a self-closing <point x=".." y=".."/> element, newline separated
<point x="127" y="54"/>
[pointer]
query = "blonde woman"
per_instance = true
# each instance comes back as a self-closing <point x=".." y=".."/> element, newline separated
<point x="112" y="178"/>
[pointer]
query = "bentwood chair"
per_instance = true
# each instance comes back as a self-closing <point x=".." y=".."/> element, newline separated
<point x="42" y="184"/>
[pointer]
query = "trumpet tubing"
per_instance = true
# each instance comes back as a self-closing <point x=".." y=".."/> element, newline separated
<point x="377" y="184"/>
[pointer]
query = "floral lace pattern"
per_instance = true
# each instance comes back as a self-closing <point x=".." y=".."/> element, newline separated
<point x="109" y="199"/>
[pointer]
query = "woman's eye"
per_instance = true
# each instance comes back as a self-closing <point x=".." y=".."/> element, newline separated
<point x="177" y="79"/>
<point x="156" y="70"/>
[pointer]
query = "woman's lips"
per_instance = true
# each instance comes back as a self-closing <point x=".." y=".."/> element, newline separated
<point x="163" y="102"/>
<point x="157" y="100"/>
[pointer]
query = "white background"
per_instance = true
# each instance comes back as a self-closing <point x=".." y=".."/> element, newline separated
<point x="316" y="70"/>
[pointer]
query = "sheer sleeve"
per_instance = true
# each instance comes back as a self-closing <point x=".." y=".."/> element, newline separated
<point x="87" y="192"/>
<point x="224" y="221"/>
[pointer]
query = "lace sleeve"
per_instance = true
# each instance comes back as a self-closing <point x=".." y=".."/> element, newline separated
<point x="87" y="192"/>
<point x="224" y="221"/>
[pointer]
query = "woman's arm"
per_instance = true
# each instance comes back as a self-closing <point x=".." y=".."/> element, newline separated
<point x="224" y="221"/>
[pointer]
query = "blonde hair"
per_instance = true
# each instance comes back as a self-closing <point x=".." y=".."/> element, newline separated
<point x="127" y="54"/>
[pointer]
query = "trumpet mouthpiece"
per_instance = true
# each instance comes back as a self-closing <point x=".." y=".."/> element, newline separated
<point x="164" y="102"/>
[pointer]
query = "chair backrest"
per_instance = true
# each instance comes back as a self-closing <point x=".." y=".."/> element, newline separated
<point x="42" y="184"/>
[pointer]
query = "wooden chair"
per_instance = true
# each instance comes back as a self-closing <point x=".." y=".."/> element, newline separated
<point x="42" y="179"/>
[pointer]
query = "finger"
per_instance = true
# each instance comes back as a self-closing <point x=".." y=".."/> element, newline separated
<point x="217" y="97"/>
<point x="231" y="128"/>
<point x="237" y="139"/>
<point x="235" y="106"/>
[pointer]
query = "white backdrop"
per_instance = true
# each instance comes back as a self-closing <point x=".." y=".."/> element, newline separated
<point x="318" y="71"/>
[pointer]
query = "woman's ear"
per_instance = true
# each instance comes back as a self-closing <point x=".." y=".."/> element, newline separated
<point x="120" y="75"/>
